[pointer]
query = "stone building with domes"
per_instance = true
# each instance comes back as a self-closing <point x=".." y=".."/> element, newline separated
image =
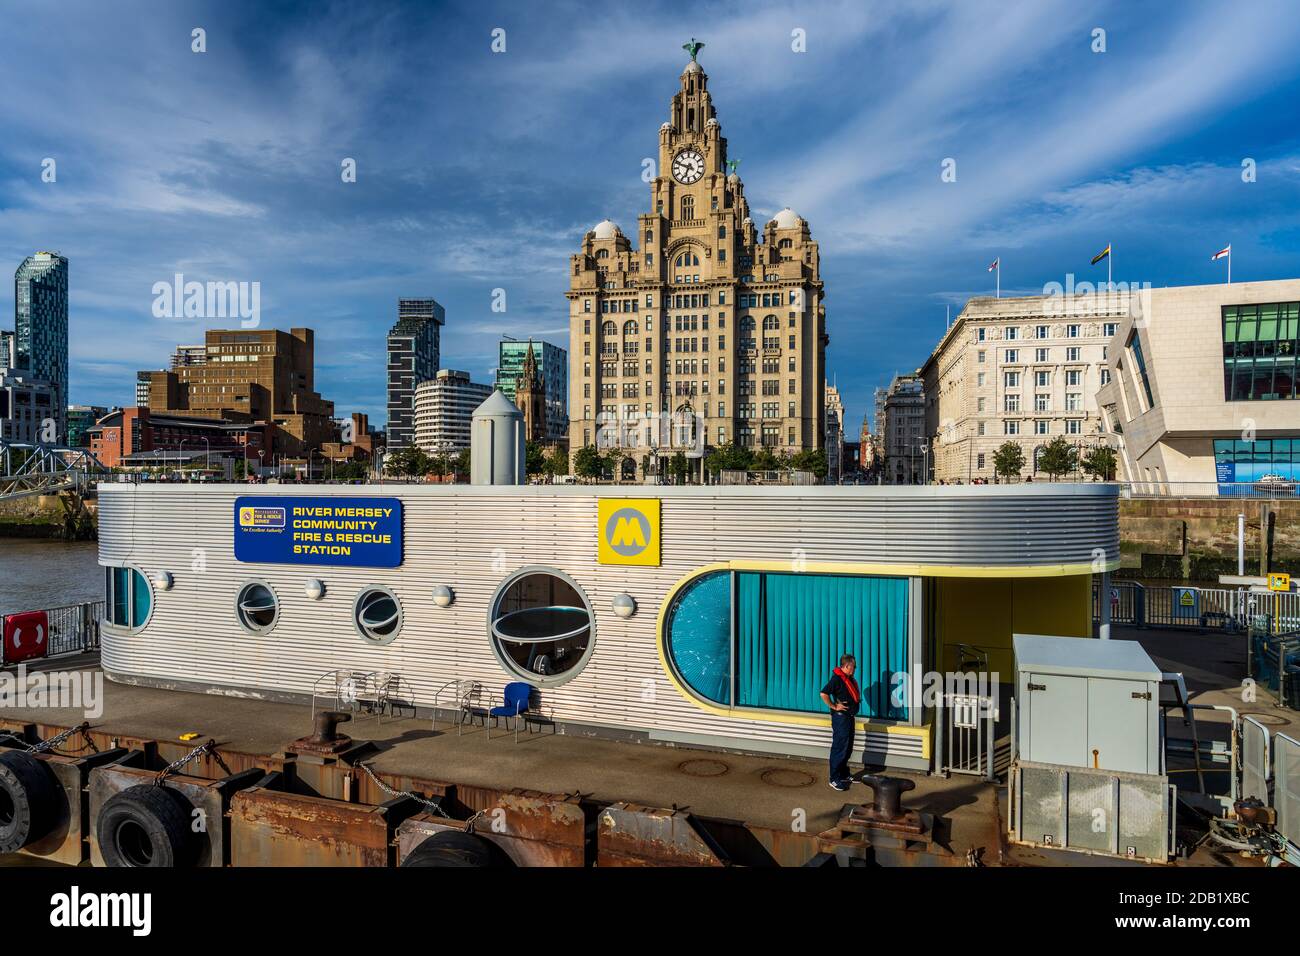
<point x="700" y="316"/>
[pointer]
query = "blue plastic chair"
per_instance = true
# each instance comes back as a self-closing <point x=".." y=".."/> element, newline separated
<point x="517" y="697"/>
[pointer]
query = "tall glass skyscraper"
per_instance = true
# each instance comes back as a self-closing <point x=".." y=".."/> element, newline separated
<point x="413" y="356"/>
<point x="41" y="326"/>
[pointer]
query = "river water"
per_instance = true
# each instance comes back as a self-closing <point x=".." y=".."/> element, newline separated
<point x="36" y="574"/>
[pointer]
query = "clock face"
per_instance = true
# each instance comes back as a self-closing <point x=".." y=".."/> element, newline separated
<point x="688" y="166"/>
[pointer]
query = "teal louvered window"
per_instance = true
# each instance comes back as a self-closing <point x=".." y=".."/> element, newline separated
<point x="128" y="597"/>
<point x="775" y="637"/>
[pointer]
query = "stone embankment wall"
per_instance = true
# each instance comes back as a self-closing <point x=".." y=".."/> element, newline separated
<point x="1195" y="539"/>
<point x="49" y="516"/>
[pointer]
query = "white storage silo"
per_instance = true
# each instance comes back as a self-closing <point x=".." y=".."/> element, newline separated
<point x="496" y="446"/>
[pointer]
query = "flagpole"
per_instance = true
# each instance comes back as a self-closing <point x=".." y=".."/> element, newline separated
<point x="1229" y="263"/>
<point x="998" y="270"/>
<point x="1110" y="254"/>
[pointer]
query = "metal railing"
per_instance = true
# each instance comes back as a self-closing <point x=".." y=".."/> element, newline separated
<point x="1208" y="489"/>
<point x="1230" y="609"/>
<point x="1286" y="787"/>
<point x="73" y="628"/>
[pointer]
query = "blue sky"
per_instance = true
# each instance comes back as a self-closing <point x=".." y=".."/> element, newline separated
<point x="479" y="170"/>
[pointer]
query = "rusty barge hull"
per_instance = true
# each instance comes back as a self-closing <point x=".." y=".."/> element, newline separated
<point x="357" y="808"/>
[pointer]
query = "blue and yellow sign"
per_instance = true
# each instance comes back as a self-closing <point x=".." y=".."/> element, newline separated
<point x="351" y="532"/>
<point x="628" y="531"/>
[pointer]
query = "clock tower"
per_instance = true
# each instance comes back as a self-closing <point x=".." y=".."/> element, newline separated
<point x="700" y="316"/>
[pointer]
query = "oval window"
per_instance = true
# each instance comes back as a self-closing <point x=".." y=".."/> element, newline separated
<point x="541" y="626"/>
<point x="257" y="607"/>
<point x="378" y="615"/>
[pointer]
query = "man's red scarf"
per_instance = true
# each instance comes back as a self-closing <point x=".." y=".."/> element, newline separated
<point x="850" y="683"/>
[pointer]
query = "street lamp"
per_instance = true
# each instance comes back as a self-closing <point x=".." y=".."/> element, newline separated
<point x="923" y="444"/>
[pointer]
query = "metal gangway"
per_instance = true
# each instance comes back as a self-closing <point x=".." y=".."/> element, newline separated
<point x="36" y="469"/>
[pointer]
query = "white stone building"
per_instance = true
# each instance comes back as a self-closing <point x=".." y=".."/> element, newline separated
<point x="1023" y="370"/>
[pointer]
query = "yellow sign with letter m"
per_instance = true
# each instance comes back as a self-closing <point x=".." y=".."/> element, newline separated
<point x="629" y="531"/>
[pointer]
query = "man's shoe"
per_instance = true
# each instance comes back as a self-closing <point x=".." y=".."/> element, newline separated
<point x="839" y="785"/>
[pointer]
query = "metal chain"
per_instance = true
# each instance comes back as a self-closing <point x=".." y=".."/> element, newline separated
<point x="54" y="741"/>
<point x="50" y="744"/>
<point x="175" y="765"/>
<point x="431" y="804"/>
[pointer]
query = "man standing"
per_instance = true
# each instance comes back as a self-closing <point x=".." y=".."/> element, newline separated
<point x="842" y="696"/>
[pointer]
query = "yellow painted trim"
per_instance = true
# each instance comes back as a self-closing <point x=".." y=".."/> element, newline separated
<point x="911" y="570"/>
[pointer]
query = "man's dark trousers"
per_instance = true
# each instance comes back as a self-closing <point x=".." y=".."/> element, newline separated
<point x="842" y="731"/>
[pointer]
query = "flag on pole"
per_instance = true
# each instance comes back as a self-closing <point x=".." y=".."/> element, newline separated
<point x="1104" y="254"/>
<point x="996" y="262"/>
<point x="1225" y="253"/>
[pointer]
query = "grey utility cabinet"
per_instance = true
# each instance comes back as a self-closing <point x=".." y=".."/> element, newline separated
<point x="1083" y="702"/>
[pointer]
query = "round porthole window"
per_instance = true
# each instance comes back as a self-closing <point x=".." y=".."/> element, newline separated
<point x="541" y="626"/>
<point x="257" y="607"/>
<point x="378" y="615"/>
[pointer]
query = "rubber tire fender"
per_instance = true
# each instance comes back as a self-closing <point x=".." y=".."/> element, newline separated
<point x="452" y="848"/>
<point x="160" y="815"/>
<point x="34" y="796"/>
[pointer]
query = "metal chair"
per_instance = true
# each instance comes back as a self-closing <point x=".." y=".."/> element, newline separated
<point x="393" y="694"/>
<point x="355" y="690"/>
<point x="471" y="706"/>
<point x="517" y="698"/>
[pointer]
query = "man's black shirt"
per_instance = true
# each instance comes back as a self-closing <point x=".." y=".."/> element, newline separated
<point x="838" y="691"/>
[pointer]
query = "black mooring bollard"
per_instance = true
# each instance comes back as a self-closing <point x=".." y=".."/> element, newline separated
<point x="887" y="794"/>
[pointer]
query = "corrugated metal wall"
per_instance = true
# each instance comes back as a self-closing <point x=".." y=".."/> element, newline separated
<point x="471" y="539"/>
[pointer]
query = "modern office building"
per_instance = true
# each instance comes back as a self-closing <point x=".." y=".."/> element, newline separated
<point x="41" y="326"/>
<point x="29" y="409"/>
<point x="414" y="353"/>
<point x="901" y="420"/>
<point x="134" y="432"/>
<point x="553" y="370"/>
<point x="80" y="419"/>
<point x="701" y="313"/>
<point x="1203" y="385"/>
<point x="835" y="465"/>
<point x="252" y="375"/>
<point x="6" y="349"/>
<point x="1023" y="370"/>
<point x="444" y="407"/>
